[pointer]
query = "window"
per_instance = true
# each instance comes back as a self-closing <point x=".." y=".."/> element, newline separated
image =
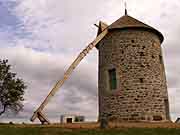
<point x="112" y="78"/>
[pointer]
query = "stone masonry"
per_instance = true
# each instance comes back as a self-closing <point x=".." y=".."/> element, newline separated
<point x="141" y="92"/>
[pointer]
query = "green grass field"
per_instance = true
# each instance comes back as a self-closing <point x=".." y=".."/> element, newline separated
<point x="10" y="130"/>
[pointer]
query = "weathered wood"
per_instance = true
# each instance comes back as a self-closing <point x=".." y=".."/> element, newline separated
<point x="102" y="26"/>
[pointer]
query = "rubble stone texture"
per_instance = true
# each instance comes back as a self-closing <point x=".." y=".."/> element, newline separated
<point x="141" y="92"/>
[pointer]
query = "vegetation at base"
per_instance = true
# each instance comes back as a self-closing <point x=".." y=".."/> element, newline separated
<point x="9" y="130"/>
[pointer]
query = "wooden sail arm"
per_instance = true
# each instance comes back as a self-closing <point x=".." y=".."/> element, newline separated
<point x="42" y="118"/>
<point x="38" y="112"/>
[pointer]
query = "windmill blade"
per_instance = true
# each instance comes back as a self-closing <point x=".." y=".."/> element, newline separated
<point x="103" y="28"/>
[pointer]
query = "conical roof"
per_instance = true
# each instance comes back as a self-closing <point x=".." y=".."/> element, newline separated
<point x="129" y="22"/>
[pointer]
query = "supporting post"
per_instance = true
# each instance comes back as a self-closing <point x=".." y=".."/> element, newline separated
<point x="42" y="118"/>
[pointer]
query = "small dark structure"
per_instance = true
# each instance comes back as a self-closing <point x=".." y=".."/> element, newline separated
<point x="71" y="118"/>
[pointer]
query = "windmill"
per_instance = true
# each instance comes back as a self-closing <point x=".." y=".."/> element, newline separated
<point x="131" y="71"/>
<point x="102" y="32"/>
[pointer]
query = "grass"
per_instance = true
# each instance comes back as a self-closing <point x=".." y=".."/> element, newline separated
<point x="13" y="130"/>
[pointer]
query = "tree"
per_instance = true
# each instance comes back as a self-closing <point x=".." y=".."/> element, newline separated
<point x="11" y="89"/>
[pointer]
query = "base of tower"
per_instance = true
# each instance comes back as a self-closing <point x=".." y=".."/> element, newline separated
<point x="167" y="124"/>
<point x="106" y="123"/>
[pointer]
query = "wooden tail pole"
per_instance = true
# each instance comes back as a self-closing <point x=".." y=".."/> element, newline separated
<point x="38" y="113"/>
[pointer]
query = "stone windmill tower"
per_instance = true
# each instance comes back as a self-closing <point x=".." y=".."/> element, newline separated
<point x="132" y="83"/>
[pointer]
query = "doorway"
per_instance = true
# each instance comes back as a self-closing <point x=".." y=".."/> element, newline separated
<point x="69" y="120"/>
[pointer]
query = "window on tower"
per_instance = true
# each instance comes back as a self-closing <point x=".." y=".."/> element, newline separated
<point x="112" y="79"/>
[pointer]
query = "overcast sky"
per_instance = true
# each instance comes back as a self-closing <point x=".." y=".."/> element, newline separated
<point x="42" y="37"/>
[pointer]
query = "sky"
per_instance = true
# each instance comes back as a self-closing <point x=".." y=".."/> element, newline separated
<point x="42" y="38"/>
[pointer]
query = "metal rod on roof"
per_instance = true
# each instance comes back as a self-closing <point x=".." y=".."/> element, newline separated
<point x="125" y="4"/>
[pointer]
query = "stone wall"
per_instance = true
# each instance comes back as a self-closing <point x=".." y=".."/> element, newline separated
<point x="141" y="93"/>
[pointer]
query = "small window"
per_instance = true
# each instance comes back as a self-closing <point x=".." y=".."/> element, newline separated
<point x="112" y="78"/>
